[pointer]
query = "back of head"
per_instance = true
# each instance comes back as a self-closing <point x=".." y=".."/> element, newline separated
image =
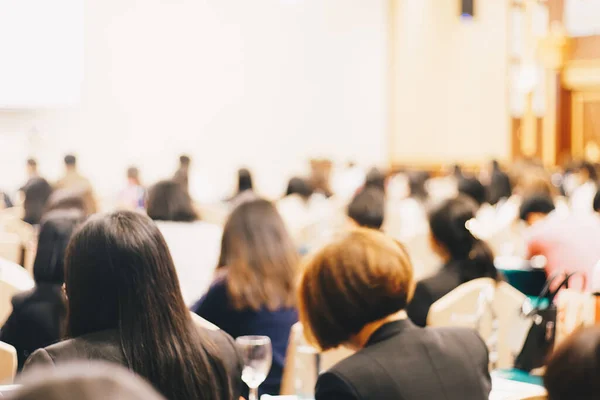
<point x="536" y="204"/>
<point x="573" y="372"/>
<point x="37" y="192"/>
<point x="471" y="187"/>
<point x="375" y="178"/>
<point x="449" y="224"/>
<point x="589" y="170"/>
<point x="367" y="208"/>
<point x="66" y="199"/>
<point x="260" y="257"/>
<point x="185" y="161"/>
<point x="84" y="381"/>
<point x="299" y="186"/>
<point x="417" y="181"/>
<point x="70" y="160"/>
<point x="133" y="174"/>
<point x="169" y="201"/>
<point x="244" y="180"/>
<point x="120" y="276"/>
<point x="358" y="279"/>
<point x="55" y="232"/>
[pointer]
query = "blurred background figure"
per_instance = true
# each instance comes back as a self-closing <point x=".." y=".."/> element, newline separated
<point x="254" y="292"/>
<point x="182" y="175"/>
<point x="194" y="245"/>
<point x="586" y="181"/>
<point x="568" y="242"/>
<point x="72" y="179"/>
<point x="39" y="315"/>
<point x="500" y="187"/>
<point x="84" y="381"/>
<point x="37" y="192"/>
<point x="133" y="197"/>
<point x="367" y="209"/>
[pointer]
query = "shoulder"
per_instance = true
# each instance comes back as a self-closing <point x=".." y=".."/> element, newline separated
<point x="334" y="385"/>
<point x="21" y="299"/>
<point x="467" y="339"/>
<point x="445" y="279"/>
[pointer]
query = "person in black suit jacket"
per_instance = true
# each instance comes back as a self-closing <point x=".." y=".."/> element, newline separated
<point x="125" y="306"/>
<point x="38" y="315"/>
<point x="354" y="293"/>
<point x="466" y="257"/>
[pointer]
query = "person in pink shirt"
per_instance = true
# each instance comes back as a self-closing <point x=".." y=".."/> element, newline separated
<point x="570" y="243"/>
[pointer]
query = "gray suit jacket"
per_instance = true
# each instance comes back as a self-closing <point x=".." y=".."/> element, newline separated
<point x="404" y="362"/>
<point x="105" y="346"/>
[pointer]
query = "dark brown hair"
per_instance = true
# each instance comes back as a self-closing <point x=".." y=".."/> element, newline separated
<point x="260" y="257"/>
<point x="573" y="372"/>
<point x="119" y="275"/>
<point x="169" y="201"/>
<point x="363" y="277"/>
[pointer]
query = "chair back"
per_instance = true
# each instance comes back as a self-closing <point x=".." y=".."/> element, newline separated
<point x="486" y="306"/>
<point x="292" y="374"/>
<point x="8" y="363"/>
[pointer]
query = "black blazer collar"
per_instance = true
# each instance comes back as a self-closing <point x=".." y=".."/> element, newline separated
<point x="391" y="329"/>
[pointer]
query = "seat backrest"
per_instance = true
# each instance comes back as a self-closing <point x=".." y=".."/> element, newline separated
<point x="291" y="374"/>
<point x="13" y="279"/>
<point x="8" y="363"/>
<point x="486" y="306"/>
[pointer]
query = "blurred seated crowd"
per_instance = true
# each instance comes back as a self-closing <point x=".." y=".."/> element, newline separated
<point x="361" y="259"/>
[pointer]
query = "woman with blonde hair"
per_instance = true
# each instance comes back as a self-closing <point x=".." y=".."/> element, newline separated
<point x="354" y="292"/>
<point x="254" y="293"/>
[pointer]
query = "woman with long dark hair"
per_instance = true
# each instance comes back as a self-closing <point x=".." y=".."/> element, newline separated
<point x="254" y="292"/>
<point x="38" y="316"/>
<point x="465" y="256"/>
<point x="125" y="306"/>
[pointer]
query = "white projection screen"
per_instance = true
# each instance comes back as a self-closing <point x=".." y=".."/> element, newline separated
<point x="41" y="53"/>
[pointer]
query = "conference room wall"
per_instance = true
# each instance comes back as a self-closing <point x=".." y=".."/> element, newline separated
<point x="451" y="82"/>
<point x="264" y="83"/>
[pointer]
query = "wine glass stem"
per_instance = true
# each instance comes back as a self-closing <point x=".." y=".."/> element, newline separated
<point x="253" y="395"/>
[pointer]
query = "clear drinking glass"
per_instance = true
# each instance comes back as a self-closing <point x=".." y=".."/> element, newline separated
<point x="258" y="356"/>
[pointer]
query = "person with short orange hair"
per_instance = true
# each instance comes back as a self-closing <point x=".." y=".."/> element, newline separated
<point x="354" y="292"/>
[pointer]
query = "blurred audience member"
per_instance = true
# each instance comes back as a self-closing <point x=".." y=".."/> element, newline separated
<point x="582" y="197"/>
<point x="182" y="175"/>
<point x="354" y="292"/>
<point x="32" y="171"/>
<point x="37" y="191"/>
<point x="73" y="179"/>
<point x="320" y="176"/>
<point x="375" y="179"/>
<point x="125" y="306"/>
<point x="500" y="186"/>
<point x="133" y="197"/>
<point x="299" y="186"/>
<point x="367" y="209"/>
<point x="472" y="188"/>
<point x="254" y="292"/>
<point x="84" y="381"/>
<point x="465" y="256"/>
<point x="194" y="245"/>
<point x="417" y="184"/>
<point x="573" y="371"/>
<point x="66" y="199"/>
<point x="569" y="242"/>
<point x="245" y="188"/>
<point x="38" y="315"/>
<point x="596" y="205"/>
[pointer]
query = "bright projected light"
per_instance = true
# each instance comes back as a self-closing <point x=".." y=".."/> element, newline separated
<point x="41" y="53"/>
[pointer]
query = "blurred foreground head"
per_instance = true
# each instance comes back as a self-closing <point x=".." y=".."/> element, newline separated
<point x="84" y="381"/>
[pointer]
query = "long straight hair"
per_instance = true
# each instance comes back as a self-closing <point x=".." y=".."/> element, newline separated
<point x="120" y="275"/>
<point x="449" y="227"/>
<point x="260" y="258"/>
